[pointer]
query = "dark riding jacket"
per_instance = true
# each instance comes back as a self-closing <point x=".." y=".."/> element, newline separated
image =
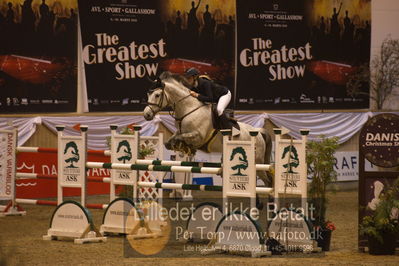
<point x="209" y="91"/>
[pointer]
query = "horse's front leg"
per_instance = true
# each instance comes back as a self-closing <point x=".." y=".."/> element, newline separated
<point x="171" y="142"/>
<point x="188" y="142"/>
<point x="192" y="138"/>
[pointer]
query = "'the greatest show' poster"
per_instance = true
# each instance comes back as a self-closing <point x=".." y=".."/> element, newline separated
<point x="38" y="51"/>
<point x="126" y="42"/>
<point x="300" y="54"/>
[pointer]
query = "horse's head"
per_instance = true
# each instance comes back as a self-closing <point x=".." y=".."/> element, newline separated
<point x="167" y="90"/>
<point x="157" y="99"/>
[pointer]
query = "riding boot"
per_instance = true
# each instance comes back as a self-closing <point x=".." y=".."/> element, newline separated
<point x="224" y="122"/>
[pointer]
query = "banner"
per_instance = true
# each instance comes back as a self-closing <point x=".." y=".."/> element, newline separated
<point x="46" y="164"/>
<point x="127" y="41"/>
<point x="300" y="54"/>
<point x="378" y="144"/>
<point x="38" y="56"/>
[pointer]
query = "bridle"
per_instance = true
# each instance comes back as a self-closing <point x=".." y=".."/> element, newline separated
<point x="158" y="84"/>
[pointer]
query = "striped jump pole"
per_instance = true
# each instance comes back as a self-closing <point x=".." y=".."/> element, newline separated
<point x="54" y="150"/>
<point x="36" y="149"/>
<point x="160" y="168"/>
<point x="259" y="167"/>
<point x="96" y="206"/>
<point x="54" y="203"/>
<point x="37" y="202"/>
<point x="259" y="190"/>
<point x="180" y="186"/>
<point x="44" y="176"/>
<point x="177" y="163"/>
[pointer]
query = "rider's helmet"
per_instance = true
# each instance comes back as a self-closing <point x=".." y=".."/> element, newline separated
<point x="192" y="72"/>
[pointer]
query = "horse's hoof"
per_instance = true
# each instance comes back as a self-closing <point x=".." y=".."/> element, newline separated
<point x="168" y="146"/>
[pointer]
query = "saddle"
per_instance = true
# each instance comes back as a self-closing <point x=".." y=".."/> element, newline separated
<point x="225" y="121"/>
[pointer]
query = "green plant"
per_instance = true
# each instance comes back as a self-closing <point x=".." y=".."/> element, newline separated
<point x="384" y="219"/>
<point x="320" y="159"/>
<point x="145" y="150"/>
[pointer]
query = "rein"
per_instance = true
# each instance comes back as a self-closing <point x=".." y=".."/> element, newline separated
<point x="180" y="120"/>
<point x="159" y="105"/>
<point x="192" y="111"/>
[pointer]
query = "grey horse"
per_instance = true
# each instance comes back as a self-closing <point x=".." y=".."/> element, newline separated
<point x="194" y="125"/>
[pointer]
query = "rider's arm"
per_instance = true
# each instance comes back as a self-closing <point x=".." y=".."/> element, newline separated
<point x="205" y="91"/>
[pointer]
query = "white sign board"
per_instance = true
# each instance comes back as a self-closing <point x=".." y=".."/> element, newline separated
<point x="239" y="173"/>
<point x="8" y="144"/>
<point x="347" y="165"/>
<point x="72" y="160"/>
<point x="291" y="167"/>
<point x="124" y="150"/>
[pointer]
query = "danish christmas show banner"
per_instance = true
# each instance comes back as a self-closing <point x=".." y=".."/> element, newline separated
<point x="126" y="41"/>
<point x="301" y="54"/>
<point x="38" y="51"/>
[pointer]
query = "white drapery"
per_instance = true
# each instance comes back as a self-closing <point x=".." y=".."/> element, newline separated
<point x="26" y="126"/>
<point x="99" y="127"/>
<point x="342" y="125"/>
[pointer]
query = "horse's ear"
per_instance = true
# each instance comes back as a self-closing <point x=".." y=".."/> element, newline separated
<point x="160" y="84"/>
<point x="152" y="81"/>
<point x="157" y="83"/>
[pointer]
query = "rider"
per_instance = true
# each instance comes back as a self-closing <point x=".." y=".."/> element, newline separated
<point x="206" y="90"/>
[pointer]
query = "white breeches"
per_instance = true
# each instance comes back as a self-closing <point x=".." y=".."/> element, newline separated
<point x="223" y="102"/>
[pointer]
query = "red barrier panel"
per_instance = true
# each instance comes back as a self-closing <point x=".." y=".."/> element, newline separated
<point x="46" y="163"/>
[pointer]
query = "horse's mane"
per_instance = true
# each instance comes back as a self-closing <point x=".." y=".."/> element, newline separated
<point x="179" y="78"/>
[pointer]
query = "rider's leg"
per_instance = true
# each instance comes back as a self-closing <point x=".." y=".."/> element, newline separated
<point x="223" y="102"/>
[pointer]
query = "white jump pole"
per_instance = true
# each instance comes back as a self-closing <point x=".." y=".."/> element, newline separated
<point x="259" y="167"/>
<point x="159" y="168"/>
<point x="259" y="190"/>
